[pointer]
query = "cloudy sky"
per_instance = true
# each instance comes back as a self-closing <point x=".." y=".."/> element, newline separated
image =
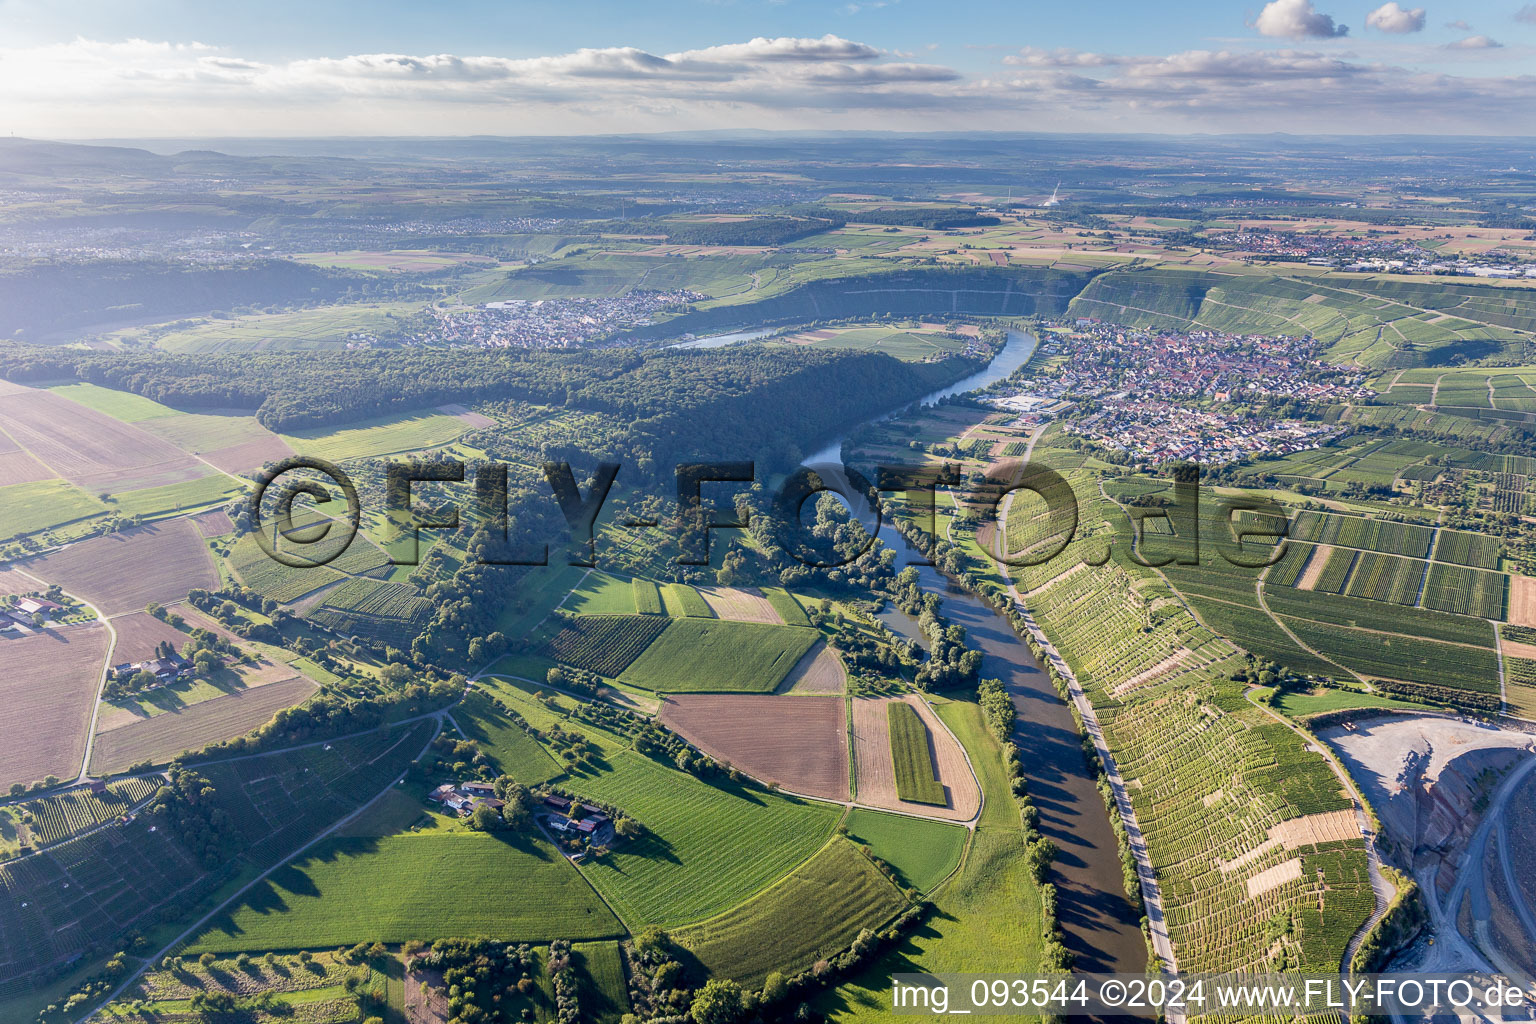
<point x="124" y="68"/>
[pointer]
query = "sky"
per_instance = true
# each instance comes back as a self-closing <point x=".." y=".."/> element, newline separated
<point x="72" y="69"/>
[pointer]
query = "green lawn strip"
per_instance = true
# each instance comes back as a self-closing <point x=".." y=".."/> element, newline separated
<point x="922" y="852"/>
<point x="813" y="913"/>
<point x="709" y="845"/>
<point x="682" y="601"/>
<point x="711" y="655"/>
<point x="123" y="406"/>
<point x="647" y="597"/>
<point x="785" y="604"/>
<point x="150" y="502"/>
<point x="383" y="436"/>
<point x="392" y="889"/>
<point x="1300" y="705"/>
<point x="916" y="779"/>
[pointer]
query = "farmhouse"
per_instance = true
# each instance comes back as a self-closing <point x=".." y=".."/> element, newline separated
<point x="466" y="797"/>
<point x="167" y="669"/>
<point x="593" y="823"/>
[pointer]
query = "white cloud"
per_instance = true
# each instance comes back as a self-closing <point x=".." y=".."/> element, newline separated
<point x="1527" y="14"/>
<point x="1459" y="25"/>
<point x="787" y="48"/>
<point x="1474" y="43"/>
<point x="1390" y="17"/>
<point x="94" y="89"/>
<point x="1297" y="19"/>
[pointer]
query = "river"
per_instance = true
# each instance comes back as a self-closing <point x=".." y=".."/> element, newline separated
<point x="1101" y="925"/>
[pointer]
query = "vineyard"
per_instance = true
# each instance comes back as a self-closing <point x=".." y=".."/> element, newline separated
<point x="62" y="815"/>
<point x="1472" y="549"/>
<point x="1387" y="578"/>
<point x="1464" y="591"/>
<point x="81" y="896"/>
<point x="605" y="644"/>
<point x="1357" y="532"/>
<point x="1210" y="775"/>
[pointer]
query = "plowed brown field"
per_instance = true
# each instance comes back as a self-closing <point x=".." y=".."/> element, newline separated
<point x="47" y="692"/>
<point x="89" y="448"/>
<point x="125" y="571"/>
<point x="164" y="736"/>
<point x="740" y="605"/>
<point x="819" y="670"/>
<point x="799" y="742"/>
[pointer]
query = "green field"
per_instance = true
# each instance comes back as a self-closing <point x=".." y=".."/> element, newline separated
<point x="325" y="327"/>
<point x="708" y="845"/>
<point x="395" y="888"/>
<point x="601" y="594"/>
<point x="120" y="405"/>
<point x="604" y="993"/>
<point x="156" y="501"/>
<point x="647" y="597"/>
<point x="41" y="505"/>
<point x="922" y="852"/>
<point x="1300" y="705"/>
<point x="893" y="341"/>
<point x="815" y="912"/>
<point x="916" y="778"/>
<point x="387" y="435"/>
<point x="710" y="655"/>
<point x="787" y="606"/>
<point x="682" y="601"/>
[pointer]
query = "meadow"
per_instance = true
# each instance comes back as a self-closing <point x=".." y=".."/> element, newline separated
<point x="705" y="655"/>
<point x="922" y="852"/>
<point x="394" y="888"/>
<point x="601" y="594"/>
<point x="916" y="779"/>
<point x="682" y="601"/>
<point x="29" y="508"/>
<point x="708" y="845"/>
<point x="815" y="912"/>
<point x="387" y="435"/>
<point x="512" y="751"/>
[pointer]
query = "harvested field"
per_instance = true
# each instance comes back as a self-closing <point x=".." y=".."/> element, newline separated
<point x="1274" y="878"/>
<point x="1314" y="569"/>
<point x="1307" y="830"/>
<point x="1522" y="601"/>
<point x="48" y="691"/>
<point x="819" y="670"/>
<point x="17" y="467"/>
<point x="248" y="455"/>
<point x="13" y="582"/>
<point x="1511" y="648"/>
<point x="161" y="738"/>
<point x="91" y="449"/>
<point x="740" y="605"/>
<point x="214" y="524"/>
<point x="125" y="571"/>
<point x="800" y="744"/>
<point x="874" y="773"/>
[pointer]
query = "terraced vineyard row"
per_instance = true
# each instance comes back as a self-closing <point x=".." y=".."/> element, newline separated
<point x="1210" y="775"/>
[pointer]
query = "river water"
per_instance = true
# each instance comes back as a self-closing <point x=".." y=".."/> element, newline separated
<point x="1101" y="925"/>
